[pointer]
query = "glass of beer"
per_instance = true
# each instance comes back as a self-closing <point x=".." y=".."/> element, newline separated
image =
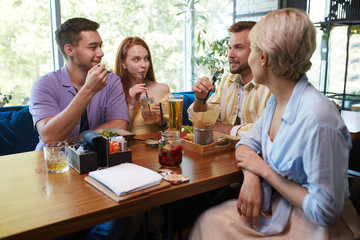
<point x="175" y="111"/>
<point x="56" y="157"/>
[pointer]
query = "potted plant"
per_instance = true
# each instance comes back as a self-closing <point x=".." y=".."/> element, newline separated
<point x="215" y="54"/>
<point x="4" y="98"/>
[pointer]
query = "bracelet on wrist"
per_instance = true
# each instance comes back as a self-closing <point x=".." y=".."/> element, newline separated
<point x="198" y="99"/>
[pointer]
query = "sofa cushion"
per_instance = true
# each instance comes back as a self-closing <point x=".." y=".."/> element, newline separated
<point x="17" y="133"/>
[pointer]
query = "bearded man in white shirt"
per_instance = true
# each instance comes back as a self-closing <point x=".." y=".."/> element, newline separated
<point x="239" y="99"/>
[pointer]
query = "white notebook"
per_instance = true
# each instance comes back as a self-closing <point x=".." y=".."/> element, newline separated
<point x="126" y="178"/>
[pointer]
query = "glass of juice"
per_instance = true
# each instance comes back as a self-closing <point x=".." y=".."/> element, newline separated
<point x="170" y="149"/>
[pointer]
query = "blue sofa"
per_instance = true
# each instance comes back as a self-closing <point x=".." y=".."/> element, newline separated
<point x="17" y="133"/>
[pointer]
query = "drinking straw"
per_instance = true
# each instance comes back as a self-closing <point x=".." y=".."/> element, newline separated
<point x="147" y="97"/>
<point x="143" y="79"/>
<point x="162" y="118"/>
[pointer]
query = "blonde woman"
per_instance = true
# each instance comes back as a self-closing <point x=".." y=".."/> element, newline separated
<point x="299" y="189"/>
<point x="134" y="66"/>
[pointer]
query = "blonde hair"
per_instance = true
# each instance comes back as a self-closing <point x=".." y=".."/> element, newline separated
<point x="289" y="39"/>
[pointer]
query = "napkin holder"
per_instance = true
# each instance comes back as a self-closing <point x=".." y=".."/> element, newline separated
<point x="118" y="157"/>
<point x="83" y="163"/>
<point x="96" y="142"/>
<point x="99" y="157"/>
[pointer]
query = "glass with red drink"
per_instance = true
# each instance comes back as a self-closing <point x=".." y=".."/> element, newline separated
<point x="170" y="149"/>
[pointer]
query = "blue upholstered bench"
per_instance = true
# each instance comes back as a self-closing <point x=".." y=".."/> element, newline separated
<point x="17" y="133"/>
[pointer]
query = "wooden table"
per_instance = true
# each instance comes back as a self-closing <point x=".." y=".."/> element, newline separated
<point x="38" y="205"/>
<point x="352" y="122"/>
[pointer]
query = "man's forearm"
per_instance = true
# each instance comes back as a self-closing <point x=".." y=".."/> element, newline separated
<point x="60" y="126"/>
<point x="223" y="128"/>
<point x="116" y="123"/>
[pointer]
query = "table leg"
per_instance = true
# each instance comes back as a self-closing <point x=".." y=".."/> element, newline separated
<point x="145" y="223"/>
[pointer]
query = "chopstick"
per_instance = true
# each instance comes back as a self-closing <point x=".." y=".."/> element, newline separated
<point x="214" y="79"/>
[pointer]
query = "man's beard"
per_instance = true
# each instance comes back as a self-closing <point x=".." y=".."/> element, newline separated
<point x="240" y="69"/>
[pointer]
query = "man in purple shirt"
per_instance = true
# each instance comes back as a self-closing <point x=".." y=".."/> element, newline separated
<point x="80" y="96"/>
<point x="83" y="94"/>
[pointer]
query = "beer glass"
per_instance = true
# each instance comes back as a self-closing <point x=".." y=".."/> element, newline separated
<point x="175" y="111"/>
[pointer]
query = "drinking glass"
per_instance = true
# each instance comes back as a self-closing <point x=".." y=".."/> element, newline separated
<point x="148" y="113"/>
<point x="56" y="157"/>
<point x="170" y="149"/>
<point x="175" y="111"/>
<point x="203" y="136"/>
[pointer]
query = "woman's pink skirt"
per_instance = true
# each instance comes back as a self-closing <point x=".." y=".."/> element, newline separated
<point x="224" y="222"/>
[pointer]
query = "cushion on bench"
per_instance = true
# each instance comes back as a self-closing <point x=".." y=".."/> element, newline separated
<point x="17" y="133"/>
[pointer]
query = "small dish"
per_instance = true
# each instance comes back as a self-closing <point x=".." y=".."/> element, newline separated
<point x="172" y="177"/>
<point x="152" y="143"/>
<point x="121" y="132"/>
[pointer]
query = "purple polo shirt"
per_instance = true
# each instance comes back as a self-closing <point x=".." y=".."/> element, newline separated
<point x="53" y="92"/>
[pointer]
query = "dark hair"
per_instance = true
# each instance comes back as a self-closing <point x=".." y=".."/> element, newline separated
<point x="240" y="26"/>
<point x="69" y="32"/>
<point x="121" y="55"/>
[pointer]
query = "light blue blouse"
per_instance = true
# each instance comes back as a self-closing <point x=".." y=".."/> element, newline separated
<point x="311" y="148"/>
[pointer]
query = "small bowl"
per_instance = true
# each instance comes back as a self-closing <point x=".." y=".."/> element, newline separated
<point x="126" y="134"/>
<point x="152" y="143"/>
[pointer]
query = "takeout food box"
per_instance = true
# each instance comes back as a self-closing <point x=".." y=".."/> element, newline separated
<point x="221" y="142"/>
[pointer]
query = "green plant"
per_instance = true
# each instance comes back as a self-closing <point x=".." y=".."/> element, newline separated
<point x="5" y="98"/>
<point x="210" y="54"/>
<point x="215" y="54"/>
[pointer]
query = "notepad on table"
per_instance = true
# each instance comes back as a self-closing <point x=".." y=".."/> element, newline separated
<point x="125" y="180"/>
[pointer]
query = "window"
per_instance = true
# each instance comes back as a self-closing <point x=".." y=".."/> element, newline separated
<point x="26" y="43"/>
<point x="342" y="44"/>
<point x="155" y="21"/>
<point x="25" y="47"/>
<point x="337" y="74"/>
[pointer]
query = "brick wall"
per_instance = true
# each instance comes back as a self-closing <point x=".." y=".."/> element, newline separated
<point x="248" y="6"/>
